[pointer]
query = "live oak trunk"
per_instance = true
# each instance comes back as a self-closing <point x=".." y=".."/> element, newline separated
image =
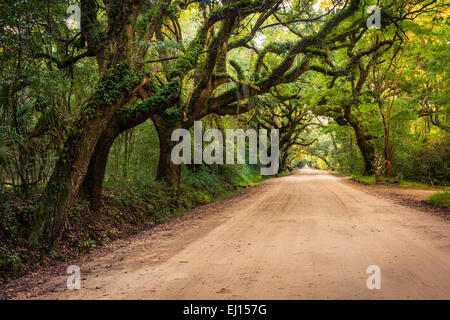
<point x="284" y="160"/>
<point x="64" y="183"/>
<point x="112" y="92"/>
<point x="367" y="149"/>
<point x="167" y="171"/>
<point x="122" y="121"/>
<point x="91" y="189"/>
<point x="364" y="140"/>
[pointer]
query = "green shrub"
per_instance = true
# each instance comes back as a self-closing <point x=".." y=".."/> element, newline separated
<point x="433" y="163"/>
<point x="368" y="180"/>
<point x="440" y="199"/>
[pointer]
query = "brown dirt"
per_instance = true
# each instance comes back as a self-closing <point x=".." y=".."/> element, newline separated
<point x="304" y="236"/>
<point x="411" y="197"/>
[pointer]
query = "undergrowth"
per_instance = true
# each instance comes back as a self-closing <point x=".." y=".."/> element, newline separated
<point x="371" y="180"/>
<point x="440" y="199"/>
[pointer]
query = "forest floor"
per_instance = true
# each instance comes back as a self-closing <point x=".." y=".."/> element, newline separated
<point x="309" y="235"/>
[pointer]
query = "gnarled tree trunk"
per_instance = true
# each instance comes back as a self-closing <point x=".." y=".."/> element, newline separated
<point x="364" y="141"/>
<point x="367" y="149"/>
<point x="284" y="158"/>
<point x="91" y="189"/>
<point x="167" y="170"/>
<point x="119" y="82"/>
<point x="61" y="190"/>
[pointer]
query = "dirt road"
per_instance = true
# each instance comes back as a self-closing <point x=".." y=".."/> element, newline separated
<point x="305" y="236"/>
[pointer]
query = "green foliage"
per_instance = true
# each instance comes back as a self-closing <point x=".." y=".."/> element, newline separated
<point x="372" y="180"/>
<point x="190" y="58"/>
<point x="120" y="80"/>
<point x="14" y="221"/>
<point x="440" y="199"/>
<point x="367" y="180"/>
<point x="9" y="260"/>
<point x="159" y="101"/>
<point x="432" y="163"/>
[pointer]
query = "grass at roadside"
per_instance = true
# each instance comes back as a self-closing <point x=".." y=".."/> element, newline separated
<point x="440" y="199"/>
<point x="371" y="180"/>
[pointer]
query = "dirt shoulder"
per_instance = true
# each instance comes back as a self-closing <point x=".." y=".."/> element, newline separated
<point x="410" y="197"/>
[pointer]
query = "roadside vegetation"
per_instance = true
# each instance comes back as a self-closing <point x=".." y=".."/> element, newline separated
<point x="441" y="199"/>
<point x="372" y="180"/>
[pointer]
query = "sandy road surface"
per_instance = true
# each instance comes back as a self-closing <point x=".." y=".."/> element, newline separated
<point x="304" y="236"/>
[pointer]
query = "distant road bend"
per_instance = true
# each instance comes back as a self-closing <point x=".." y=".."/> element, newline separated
<point x="309" y="235"/>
